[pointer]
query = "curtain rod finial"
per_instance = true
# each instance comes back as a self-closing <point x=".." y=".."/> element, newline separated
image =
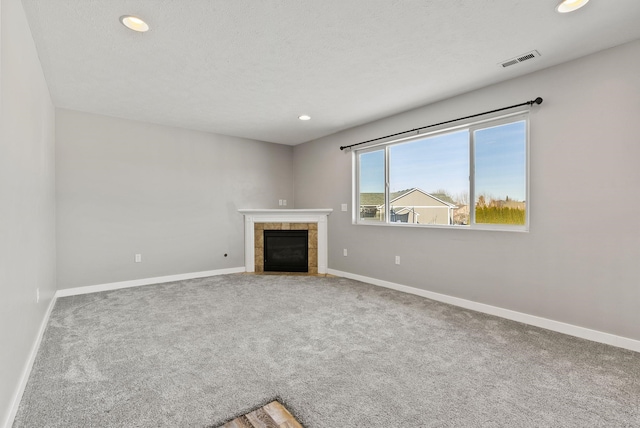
<point x="538" y="101"/>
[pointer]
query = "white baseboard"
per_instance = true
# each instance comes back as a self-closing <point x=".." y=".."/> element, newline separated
<point x="560" y="327"/>
<point x="26" y="372"/>
<point x="145" y="281"/>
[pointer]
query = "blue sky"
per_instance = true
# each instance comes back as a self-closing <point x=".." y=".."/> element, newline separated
<point x="442" y="162"/>
<point x="501" y="161"/>
<point x="372" y="172"/>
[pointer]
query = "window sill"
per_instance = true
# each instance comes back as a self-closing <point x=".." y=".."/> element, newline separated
<point x="483" y="227"/>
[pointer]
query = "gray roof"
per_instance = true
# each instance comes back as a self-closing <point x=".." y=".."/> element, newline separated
<point x="377" y="199"/>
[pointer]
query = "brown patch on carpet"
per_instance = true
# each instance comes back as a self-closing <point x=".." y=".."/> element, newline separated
<point x="272" y="415"/>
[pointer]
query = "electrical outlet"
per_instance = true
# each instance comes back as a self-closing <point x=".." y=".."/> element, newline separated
<point x="284" y="202"/>
<point x="397" y="260"/>
<point x="37" y="295"/>
<point x="138" y="258"/>
<point x="344" y="207"/>
<point x="344" y="252"/>
<point x="280" y="202"/>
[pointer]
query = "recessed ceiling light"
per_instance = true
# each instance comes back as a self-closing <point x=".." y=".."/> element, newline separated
<point x="570" y="5"/>
<point x="134" y="23"/>
<point x="304" y="117"/>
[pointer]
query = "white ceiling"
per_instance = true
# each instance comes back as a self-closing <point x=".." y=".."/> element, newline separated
<point x="249" y="68"/>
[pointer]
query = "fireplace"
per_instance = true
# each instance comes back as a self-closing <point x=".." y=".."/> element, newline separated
<point x="313" y="221"/>
<point x="286" y="250"/>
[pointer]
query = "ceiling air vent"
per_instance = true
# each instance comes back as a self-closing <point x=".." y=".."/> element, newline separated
<point x="520" y="58"/>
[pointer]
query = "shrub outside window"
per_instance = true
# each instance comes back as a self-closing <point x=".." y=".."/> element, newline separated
<point x="471" y="176"/>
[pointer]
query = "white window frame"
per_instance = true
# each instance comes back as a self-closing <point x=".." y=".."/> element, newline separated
<point x="471" y="127"/>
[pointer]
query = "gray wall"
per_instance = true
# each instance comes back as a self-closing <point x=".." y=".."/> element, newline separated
<point x="579" y="263"/>
<point x="27" y="199"/>
<point x="170" y="194"/>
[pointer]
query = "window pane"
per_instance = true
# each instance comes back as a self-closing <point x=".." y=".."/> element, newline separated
<point x="371" y="182"/>
<point x="500" y="174"/>
<point x="429" y="180"/>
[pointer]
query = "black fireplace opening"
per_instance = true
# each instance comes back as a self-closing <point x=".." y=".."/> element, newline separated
<point x="286" y="251"/>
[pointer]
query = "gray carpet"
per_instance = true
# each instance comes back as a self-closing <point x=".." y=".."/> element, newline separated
<point x="336" y="352"/>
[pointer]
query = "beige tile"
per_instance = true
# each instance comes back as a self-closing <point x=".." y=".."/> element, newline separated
<point x="259" y="239"/>
<point x="299" y="226"/>
<point x="312" y="272"/>
<point x="258" y="226"/>
<point x="313" y="226"/>
<point x="313" y="257"/>
<point x="273" y="226"/>
<point x="259" y="257"/>
<point x="285" y="226"/>
<point x="259" y="252"/>
<point x="313" y="239"/>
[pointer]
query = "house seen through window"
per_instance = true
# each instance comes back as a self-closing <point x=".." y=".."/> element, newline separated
<point x="473" y="176"/>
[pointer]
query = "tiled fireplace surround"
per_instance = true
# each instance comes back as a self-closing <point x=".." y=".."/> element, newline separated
<point x="313" y="220"/>
<point x="259" y="228"/>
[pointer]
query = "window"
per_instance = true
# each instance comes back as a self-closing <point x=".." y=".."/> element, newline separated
<point x="471" y="176"/>
<point x="372" y="185"/>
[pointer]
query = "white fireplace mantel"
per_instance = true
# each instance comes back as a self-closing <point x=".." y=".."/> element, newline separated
<point x="318" y="215"/>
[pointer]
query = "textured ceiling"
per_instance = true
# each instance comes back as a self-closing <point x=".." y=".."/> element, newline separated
<point x="249" y="68"/>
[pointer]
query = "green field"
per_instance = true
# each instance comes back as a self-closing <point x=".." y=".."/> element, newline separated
<point x="495" y="215"/>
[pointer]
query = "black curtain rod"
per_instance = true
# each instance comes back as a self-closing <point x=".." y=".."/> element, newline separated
<point x="528" y="103"/>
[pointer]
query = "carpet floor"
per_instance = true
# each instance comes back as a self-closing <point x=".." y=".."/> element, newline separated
<point x="336" y="352"/>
